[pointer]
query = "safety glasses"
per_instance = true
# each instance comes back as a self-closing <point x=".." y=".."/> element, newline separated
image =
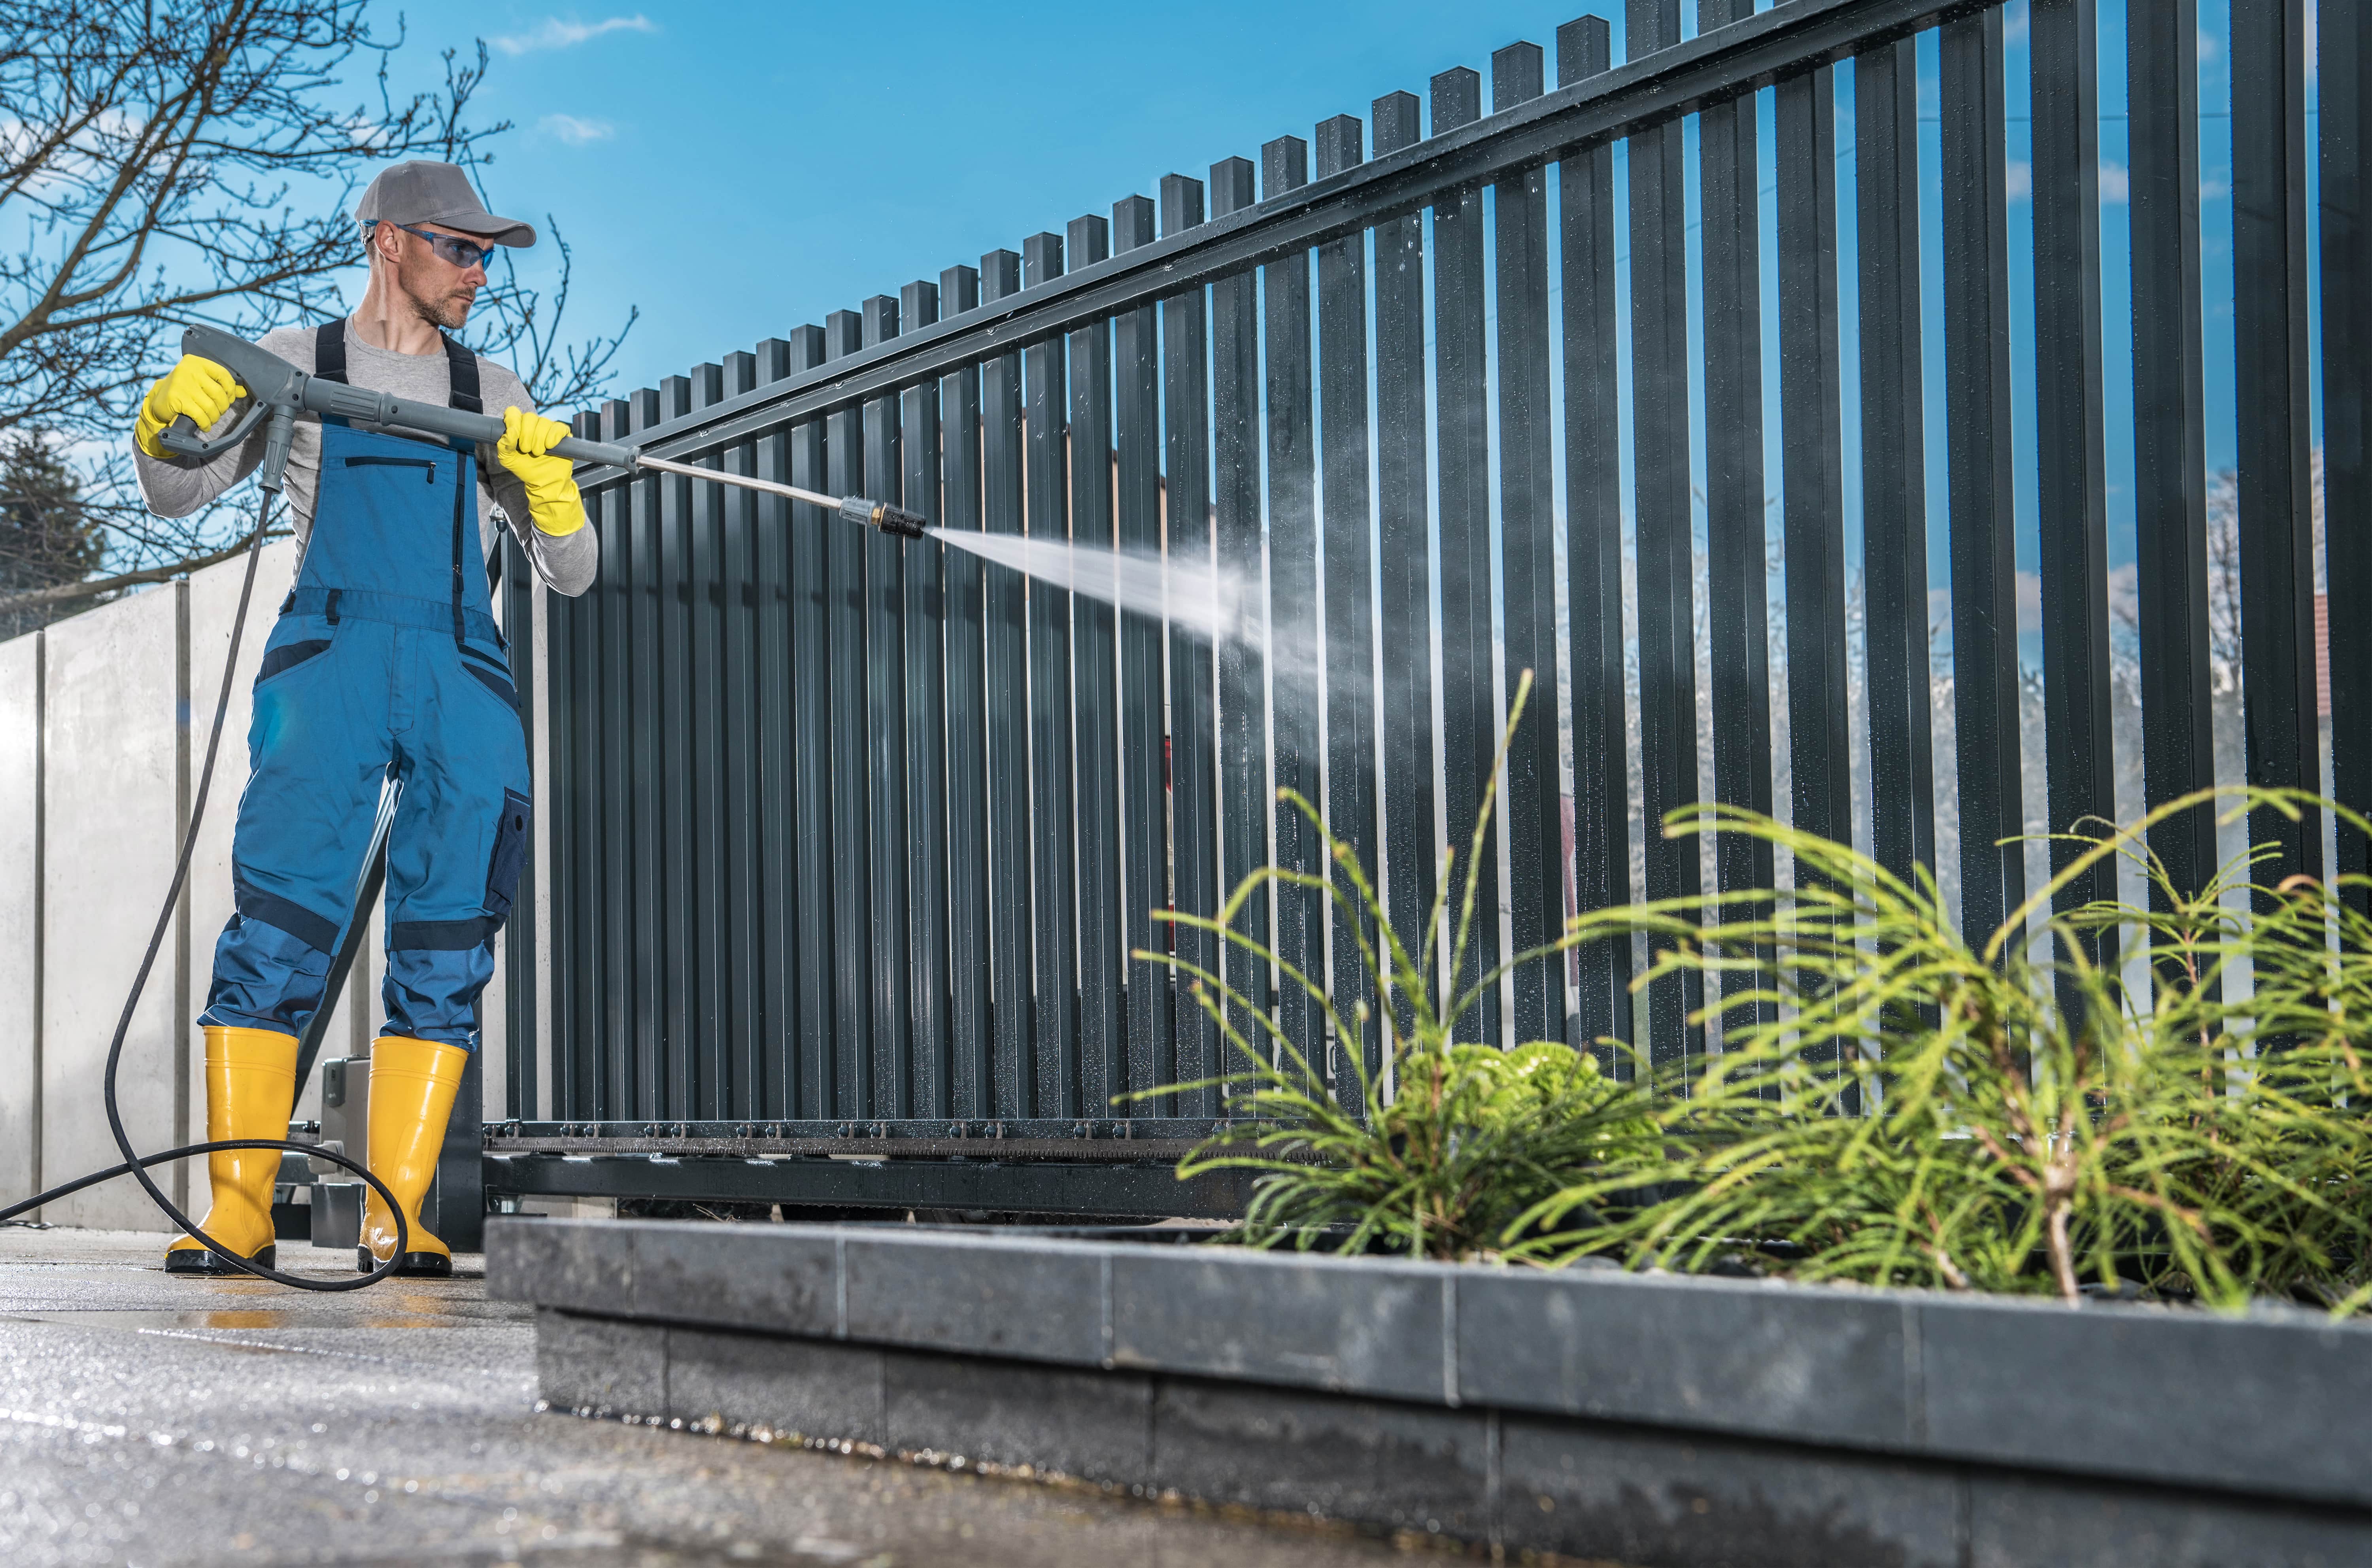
<point x="461" y="253"/>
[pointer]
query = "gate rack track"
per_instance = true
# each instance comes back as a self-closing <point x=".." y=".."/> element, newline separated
<point x="1061" y="1139"/>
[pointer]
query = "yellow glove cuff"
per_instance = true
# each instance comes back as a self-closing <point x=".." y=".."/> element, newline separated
<point x="558" y="515"/>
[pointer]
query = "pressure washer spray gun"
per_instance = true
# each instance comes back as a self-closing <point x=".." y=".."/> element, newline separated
<point x="278" y="392"/>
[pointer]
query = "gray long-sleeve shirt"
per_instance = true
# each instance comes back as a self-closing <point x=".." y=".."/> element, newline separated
<point x="175" y="487"/>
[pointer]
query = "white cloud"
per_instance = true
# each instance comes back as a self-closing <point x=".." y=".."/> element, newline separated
<point x="553" y="33"/>
<point x="2207" y="46"/>
<point x="2116" y="185"/>
<point x="577" y="131"/>
<point x="2021" y="180"/>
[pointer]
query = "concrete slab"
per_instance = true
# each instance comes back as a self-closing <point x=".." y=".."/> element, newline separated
<point x="112" y="827"/>
<point x="181" y="1423"/>
<point x="19" y="910"/>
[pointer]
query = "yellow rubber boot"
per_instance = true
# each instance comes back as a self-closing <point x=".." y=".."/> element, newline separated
<point x="412" y="1083"/>
<point x="251" y="1087"/>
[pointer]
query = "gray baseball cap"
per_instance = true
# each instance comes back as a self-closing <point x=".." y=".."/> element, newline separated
<point x="422" y="191"/>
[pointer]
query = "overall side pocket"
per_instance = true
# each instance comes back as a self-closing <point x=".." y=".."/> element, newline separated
<point x="510" y="852"/>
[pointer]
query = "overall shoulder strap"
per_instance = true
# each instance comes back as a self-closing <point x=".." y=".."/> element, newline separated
<point x="463" y="368"/>
<point x="330" y="350"/>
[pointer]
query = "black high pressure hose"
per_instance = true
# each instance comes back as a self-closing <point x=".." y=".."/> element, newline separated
<point x="135" y="1164"/>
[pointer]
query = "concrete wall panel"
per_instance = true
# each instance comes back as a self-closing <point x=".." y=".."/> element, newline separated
<point x="19" y="907"/>
<point x="113" y="740"/>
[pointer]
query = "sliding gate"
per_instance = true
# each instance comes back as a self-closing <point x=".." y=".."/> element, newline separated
<point x="847" y="841"/>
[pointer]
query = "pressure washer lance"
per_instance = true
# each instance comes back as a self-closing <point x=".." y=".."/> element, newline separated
<point x="278" y="391"/>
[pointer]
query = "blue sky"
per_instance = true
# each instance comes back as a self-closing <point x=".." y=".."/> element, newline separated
<point x="736" y="170"/>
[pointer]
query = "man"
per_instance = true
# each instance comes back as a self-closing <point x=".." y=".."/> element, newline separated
<point x="385" y="663"/>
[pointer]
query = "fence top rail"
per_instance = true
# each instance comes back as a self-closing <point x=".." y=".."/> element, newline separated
<point x="1713" y="68"/>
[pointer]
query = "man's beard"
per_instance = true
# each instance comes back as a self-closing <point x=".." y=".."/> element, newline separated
<point x="448" y="313"/>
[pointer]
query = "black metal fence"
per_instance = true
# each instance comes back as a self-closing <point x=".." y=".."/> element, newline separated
<point x="851" y="839"/>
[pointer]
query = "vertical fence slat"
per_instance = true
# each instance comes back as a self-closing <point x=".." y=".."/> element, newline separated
<point x="1013" y="930"/>
<point x="2269" y="320"/>
<point x="1601" y="836"/>
<point x="812" y="757"/>
<point x="1976" y="437"/>
<point x="528" y="945"/>
<point x="885" y="695"/>
<point x="1462" y="422"/>
<point x="1821" y="735"/>
<point x="574" y="793"/>
<point x="2169" y="430"/>
<point x="676" y="783"/>
<point x="1535" y="804"/>
<point x="1236" y="523"/>
<point x="1659" y="443"/>
<point x="614" y="845"/>
<point x="2071" y="491"/>
<point x="1137" y="384"/>
<point x="1193" y="761"/>
<point x="782" y="849"/>
<point x="1737" y="564"/>
<point x="926" y="731"/>
<point x="1350" y="616"/>
<point x="969" y="1016"/>
<point x="748" y="918"/>
<point x="1404" y="573"/>
<point x="1052" y="798"/>
<point x="656" y="1045"/>
<point x="1292" y="606"/>
<point x="854" y="930"/>
<point x="705" y="614"/>
<point x="2345" y="64"/>
<point x="1103" y="1026"/>
<point x="1893" y="467"/>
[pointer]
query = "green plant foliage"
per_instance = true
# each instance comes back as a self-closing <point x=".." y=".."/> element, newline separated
<point x="2007" y="1115"/>
<point x="1892" y="1103"/>
<point x="1469" y="1137"/>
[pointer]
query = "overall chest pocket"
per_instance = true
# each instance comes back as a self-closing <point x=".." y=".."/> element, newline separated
<point x="427" y="466"/>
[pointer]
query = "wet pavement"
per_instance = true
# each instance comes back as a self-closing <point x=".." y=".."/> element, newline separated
<point x="150" y="1420"/>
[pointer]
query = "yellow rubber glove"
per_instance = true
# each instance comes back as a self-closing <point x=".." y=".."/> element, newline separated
<point x="195" y="387"/>
<point x="552" y="502"/>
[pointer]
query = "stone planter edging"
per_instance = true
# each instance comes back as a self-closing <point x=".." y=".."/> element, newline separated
<point x="2268" y="1409"/>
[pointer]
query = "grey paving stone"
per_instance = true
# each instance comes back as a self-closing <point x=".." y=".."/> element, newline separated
<point x="818" y="1388"/>
<point x="1097" y="1425"/>
<point x="772" y="1277"/>
<point x="587" y="1265"/>
<point x="1716" y="1355"/>
<point x="996" y="1297"/>
<point x="1355" y="1325"/>
<point x="1683" y="1502"/>
<point x="600" y="1364"/>
<point x="2275" y="1404"/>
<point x="2015" y="1522"/>
<point x="1389" y="1464"/>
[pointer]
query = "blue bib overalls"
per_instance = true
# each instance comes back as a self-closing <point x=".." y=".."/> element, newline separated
<point x="384" y="663"/>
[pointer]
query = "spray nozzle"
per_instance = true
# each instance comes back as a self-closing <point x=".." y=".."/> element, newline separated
<point x="881" y="514"/>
